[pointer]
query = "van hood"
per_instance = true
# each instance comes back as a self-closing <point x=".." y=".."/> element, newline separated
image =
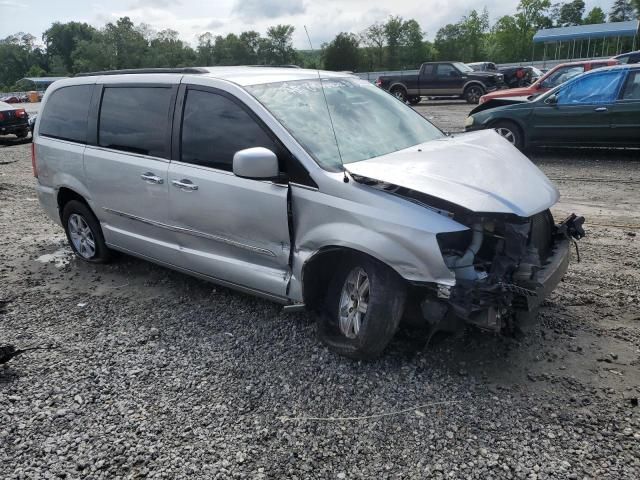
<point x="479" y="171"/>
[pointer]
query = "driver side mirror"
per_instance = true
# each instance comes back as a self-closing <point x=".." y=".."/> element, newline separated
<point x="258" y="163"/>
<point x="454" y="74"/>
<point x="552" y="99"/>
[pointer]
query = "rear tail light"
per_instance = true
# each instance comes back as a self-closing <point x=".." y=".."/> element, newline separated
<point x="1" y="116"/>
<point x="34" y="165"/>
<point x="21" y="113"/>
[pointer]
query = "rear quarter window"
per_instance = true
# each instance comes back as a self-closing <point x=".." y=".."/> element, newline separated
<point x="66" y="113"/>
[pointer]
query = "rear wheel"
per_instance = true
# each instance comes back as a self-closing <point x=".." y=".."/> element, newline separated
<point x="22" y="133"/>
<point x="399" y="93"/>
<point x="473" y="93"/>
<point x="510" y="132"/>
<point x="84" y="233"/>
<point x="362" y="309"/>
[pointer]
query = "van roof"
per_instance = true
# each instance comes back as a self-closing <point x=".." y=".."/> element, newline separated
<point x="242" y="75"/>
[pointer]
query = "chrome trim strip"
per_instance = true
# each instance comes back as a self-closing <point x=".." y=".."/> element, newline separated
<point x="189" y="231"/>
<point x="125" y="152"/>
<point x="306" y="187"/>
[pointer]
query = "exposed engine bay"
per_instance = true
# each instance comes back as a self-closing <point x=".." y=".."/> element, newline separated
<point x="503" y="263"/>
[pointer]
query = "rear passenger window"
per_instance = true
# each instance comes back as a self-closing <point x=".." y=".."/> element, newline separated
<point x="214" y="128"/>
<point x="136" y="119"/>
<point x="66" y="112"/>
<point x="632" y="88"/>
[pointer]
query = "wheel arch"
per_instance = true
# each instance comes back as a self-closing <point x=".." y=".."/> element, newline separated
<point x="397" y="86"/>
<point x="318" y="269"/>
<point x="65" y="195"/>
<point x="471" y="83"/>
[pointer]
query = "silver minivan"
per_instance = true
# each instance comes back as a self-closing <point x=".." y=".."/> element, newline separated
<point x="313" y="189"/>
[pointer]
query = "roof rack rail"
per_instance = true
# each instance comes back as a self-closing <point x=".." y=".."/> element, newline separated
<point x="144" y="70"/>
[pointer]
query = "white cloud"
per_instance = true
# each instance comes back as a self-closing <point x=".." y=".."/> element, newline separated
<point x="257" y="9"/>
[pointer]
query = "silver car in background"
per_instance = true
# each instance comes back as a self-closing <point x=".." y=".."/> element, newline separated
<point x="312" y="189"/>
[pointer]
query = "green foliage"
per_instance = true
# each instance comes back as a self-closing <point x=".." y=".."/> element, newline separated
<point x="61" y="39"/>
<point x="569" y="13"/>
<point x="622" y="11"/>
<point x="342" y="53"/>
<point x="277" y="48"/>
<point x="595" y="15"/>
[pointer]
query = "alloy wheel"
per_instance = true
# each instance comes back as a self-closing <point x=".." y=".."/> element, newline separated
<point x="354" y="301"/>
<point x="474" y="94"/>
<point x="399" y="94"/>
<point x="507" y="135"/>
<point x="81" y="236"/>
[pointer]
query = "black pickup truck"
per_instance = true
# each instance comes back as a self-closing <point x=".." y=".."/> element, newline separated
<point x="441" y="79"/>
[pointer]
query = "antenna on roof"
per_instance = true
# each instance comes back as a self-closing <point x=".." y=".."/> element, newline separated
<point x="335" y="136"/>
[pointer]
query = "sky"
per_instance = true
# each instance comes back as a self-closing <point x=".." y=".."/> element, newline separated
<point x="323" y="18"/>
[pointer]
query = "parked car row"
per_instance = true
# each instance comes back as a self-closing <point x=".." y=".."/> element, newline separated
<point x="599" y="108"/>
<point x="481" y="81"/>
<point x="554" y="77"/>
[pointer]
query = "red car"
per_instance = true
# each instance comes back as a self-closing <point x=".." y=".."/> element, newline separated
<point x="554" y="77"/>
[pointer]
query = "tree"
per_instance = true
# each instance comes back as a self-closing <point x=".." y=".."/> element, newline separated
<point x="342" y="53"/>
<point x="205" y="50"/>
<point x="569" y="13"/>
<point x="595" y="15"/>
<point x="61" y="39"/>
<point x="19" y="57"/>
<point x="513" y="35"/>
<point x="127" y="44"/>
<point x="414" y="50"/>
<point x="621" y="11"/>
<point x="374" y="38"/>
<point x="393" y="36"/>
<point x="448" y="41"/>
<point x="277" y="48"/>
<point x="473" y="28"/>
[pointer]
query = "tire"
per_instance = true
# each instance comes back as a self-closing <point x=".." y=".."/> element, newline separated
<point x="473" y="93"/>
<point x="22" y="133"/>
<point x="77" y="217"/>
<point x="510" y="132"/>
<point x="399" y="93"/>
<point x="414" y="100"/>
<point x="385" y="301"/>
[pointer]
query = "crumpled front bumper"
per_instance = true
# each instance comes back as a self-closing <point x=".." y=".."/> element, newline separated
<point x="550" y="275"/>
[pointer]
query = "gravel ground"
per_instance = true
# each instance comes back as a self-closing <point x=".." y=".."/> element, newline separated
<point x="161" y="375"/>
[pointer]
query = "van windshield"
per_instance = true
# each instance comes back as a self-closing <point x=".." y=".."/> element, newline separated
<point x="368" y="121"/>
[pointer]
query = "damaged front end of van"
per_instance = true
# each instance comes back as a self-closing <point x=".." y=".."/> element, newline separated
<point x="510" y="254"/>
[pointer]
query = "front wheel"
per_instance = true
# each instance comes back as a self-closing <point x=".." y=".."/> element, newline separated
<point x="363" y="307"/>
<point x="510" y="132"/>
<point x="84" y="233"/>
<point x="473" y="93"/>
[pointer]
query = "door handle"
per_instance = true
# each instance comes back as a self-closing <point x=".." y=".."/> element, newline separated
<point x="600" y="109"/>
<point x="149" y="177"/>
<point x="185" y="185"/>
